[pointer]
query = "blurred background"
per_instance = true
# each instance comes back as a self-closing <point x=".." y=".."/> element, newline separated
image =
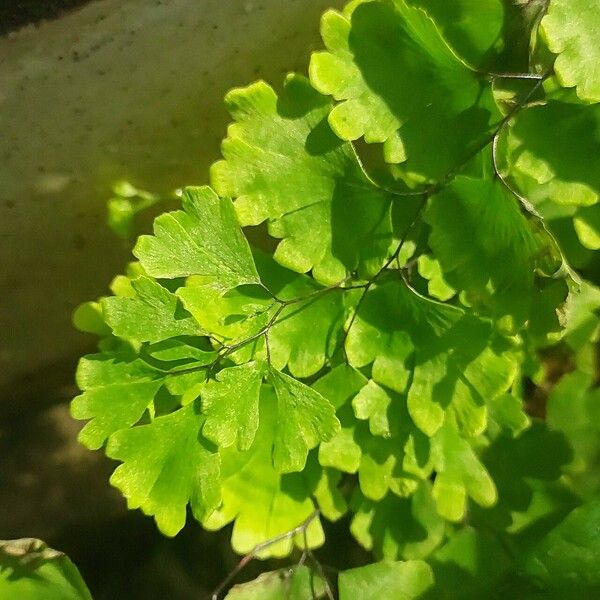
<point x="92" y="95"/>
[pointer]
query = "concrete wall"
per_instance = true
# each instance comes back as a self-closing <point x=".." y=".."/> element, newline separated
<point x="119" y="89"/>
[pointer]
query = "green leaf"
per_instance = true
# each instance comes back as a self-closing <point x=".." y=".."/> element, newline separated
<point x="340" y="384"/>
<point x="459" y="474"/>
<point x="570" y="28"/>
<point x="395" y="527"/>
<point x="398" y="82"/>
<point x="188" y="385"/>
<point x="587" y="226"/>
<point x="331" y="502"/>
<point x="480" y="237"/>
<point x="547" y="161"/>
<point x="508" y="413"/>
<point x="239" y="314"/>
<point x="128" y="202"/>
<point x="372" y="403"/>
<point x="121" y="284"/>
<point x="203" y="239"/>
<point x="582" y="315"/>
<point x="167" y="465"/>
<point x="29" y="570"/>
<point x="263" y="502"/>
<point x="391" y="463"/>
<point x="180" y="353"/>
<point x="472" y="27"/>
<point x="88" y="317"/>
<point x="437" y="287"/>
<point x="382" y="467"/>
<point x="458" y="364"/>
<point x="298" y="583"/>
<point x="574" y="409"/>
<point x="304" y="419"/>
<point x="285" y="166"/>
<point x="248" y="310"/>
<point x="155" y="314"/>
<point x="397" y="461"/>
<point x="304" y="355"/>
<point x="470" y="565"/>
<point x="342" y="451"/>
<point x="116" y="392"/>
<point x="388" y="352"/>
<point x="322" y="313"/>
<point x="230" y="404"/>
<point x="570" y="554"/>
<point x="397" y="580"/>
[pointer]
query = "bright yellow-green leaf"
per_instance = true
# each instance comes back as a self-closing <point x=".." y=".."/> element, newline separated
<point x="570" y="29"/>
<point x="262" y="502"/>
<point x="154" y="314"/>
<point x="304" y="419"/>
<point x="203" y="239"/>
<point x="116" y="392"/>
<point x="230" y="403"/>
<point x="285" y="166"/>
<point x="398" y="82"/>
<point x="166" y="465"/>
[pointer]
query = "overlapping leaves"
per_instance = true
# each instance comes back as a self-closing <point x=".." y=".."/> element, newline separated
<point x="398" y="82"/>
<point x="456" y="366"/>
<point x="116" y="392"/>
<point x="263" y="502"/>
<point x="173" y="406"/>
<point x="488" y="248"/>
<point x="251" y="386"/>
<point x="204" y="239"/>
<point x="284" y="165"/>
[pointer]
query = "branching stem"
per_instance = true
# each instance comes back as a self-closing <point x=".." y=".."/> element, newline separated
<point x="524" y="202"/>
<point x="300" y="529"/>
<point x="226" y="350"/>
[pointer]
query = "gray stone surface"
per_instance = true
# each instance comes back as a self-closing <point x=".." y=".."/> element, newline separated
<point x="118" y="89"/>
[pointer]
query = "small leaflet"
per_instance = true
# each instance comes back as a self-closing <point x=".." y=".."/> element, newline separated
<point x="167" y="465"/>
<point x="202" y="239"/>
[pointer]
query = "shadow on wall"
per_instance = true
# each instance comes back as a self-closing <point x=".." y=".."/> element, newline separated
<point x="116" y="90"/>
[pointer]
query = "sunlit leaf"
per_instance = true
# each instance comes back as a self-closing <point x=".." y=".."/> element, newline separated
<point x="167" y="465"/>
<point x="285" y="166"/>
<point x="373" y="50"/>
<point x="398" y="580"/>
<point x="203" y="239"/>
<point x="569" y="29"/>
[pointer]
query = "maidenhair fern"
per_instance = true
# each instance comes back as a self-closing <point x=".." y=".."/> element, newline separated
<point x="427" y="226"/>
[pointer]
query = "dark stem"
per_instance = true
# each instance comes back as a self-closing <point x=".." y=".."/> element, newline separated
<point x="259" y="548"/>
<point x="373" y="279"/>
